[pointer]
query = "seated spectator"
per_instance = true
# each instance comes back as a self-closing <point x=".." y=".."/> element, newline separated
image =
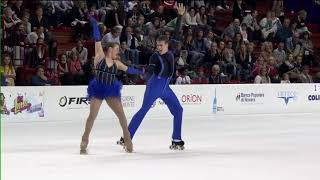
<point x="285" y="79"/>
<point x="62" y="65"/>
<point x="238" y="10"/>
<point x="81" y="52"/>
<point x="211" y="19"/>
<point x="190" y="18"/>
<point x="26" y="23"/>
<point x="201" y="16"/>
<point x="293" y="45"/>
<point x="232" y="29"/>
<point x="253" y="29"/>
<point x="201" y="78"/>
<point x="39" y="53"/>
<point x="279" y="54"/>
<point x="263" y="77"/>
<point x="287" y="65"/>
<point x="300" y="19"/>
<point x="272" y="70"/>
<point x="216" y="76"/>
<point x="125" y="53"/>
<point x="212" y="56"/>
<point x="39" y="20"/>
<point x="40" y="79"/>
<point x="7" y="71"/>
<point x="113" y="36"/>
<point x="75" y="65"/>
<point x="257" y="66"/>
<point x="182" y="77"/>
<point x="308" y="49"/>
<point x="284" y="32"/>
<point x="18" y="8"/>
<point x="305" y="76"/>
<point x="35" y="35"/>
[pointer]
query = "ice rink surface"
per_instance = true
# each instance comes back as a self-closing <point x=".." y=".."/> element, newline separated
<point x="246" y="147"/>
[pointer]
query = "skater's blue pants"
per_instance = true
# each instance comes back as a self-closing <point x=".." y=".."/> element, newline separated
<point x="159" y="88"/>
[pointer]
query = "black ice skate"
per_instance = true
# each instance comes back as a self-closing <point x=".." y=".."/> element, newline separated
<point x="177" y="145"/>
<point x="121" y="142"/>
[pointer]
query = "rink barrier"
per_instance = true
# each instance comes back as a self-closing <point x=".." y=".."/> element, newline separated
<point x="70" y="102"/>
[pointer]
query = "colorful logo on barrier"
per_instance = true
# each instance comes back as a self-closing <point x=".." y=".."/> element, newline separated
<point x="287" y="96"/>
<point x="128" y="101"/>
<point x="191" y="99"/>
<point x="314" y="97"/>
<point x="27" y="103"/>
<point x="20" y="105"/>
<point x="3" y="106"/>
<point x="69" y="101"/>
<point x="215" y="107"/>
<point x="250" y="98"/>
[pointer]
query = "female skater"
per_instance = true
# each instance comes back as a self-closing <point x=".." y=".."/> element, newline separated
<point x="105" y="86"/>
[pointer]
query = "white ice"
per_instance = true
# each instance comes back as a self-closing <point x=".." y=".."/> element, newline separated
<point x="247" y="147"/>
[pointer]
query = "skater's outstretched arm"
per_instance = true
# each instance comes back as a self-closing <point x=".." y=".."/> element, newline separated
<point x="99" y="54"/>
<point x="129" y="70"/>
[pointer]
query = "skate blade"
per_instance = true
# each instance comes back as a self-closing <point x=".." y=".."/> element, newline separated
<point x="83" y="152"/>
<point x="177" y="148"/>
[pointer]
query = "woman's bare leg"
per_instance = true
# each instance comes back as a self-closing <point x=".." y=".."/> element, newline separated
<point x="94" y="109"/>
<point x="116" y="106"/>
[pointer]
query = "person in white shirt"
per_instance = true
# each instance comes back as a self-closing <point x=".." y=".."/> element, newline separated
<point x="285" y="78"/>
<point x="81" y="52"/>
<point x="113" y="36"/>
<point x="190" y="18"/>
<point x="182" y="78"/>
<point x="33" y="36"/>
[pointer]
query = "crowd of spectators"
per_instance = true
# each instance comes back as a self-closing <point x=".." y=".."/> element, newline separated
<point x="255" y="47"/>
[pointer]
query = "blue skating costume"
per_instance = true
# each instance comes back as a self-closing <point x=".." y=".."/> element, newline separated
<point x="162" y="69"/>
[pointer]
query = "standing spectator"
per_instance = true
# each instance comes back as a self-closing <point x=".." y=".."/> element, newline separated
<point x="81" y="52"/>
<point x="40" y="79"/>
<point x="7" y="70"/>
<point x="263" y="77"/>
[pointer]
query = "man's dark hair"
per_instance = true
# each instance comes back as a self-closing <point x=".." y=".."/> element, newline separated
<point x="163" y="38"/>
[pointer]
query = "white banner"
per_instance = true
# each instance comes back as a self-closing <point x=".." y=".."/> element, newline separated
<point x="70" y="103"/>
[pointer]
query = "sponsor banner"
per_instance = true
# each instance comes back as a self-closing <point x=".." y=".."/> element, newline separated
<point x="22" y="103"/>
<point x="70" y="102"/>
